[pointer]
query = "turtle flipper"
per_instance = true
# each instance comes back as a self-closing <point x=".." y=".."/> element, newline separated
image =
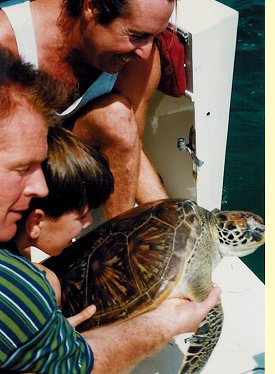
<point x="203" y="342"/>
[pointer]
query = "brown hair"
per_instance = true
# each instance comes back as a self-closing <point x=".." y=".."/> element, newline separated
<point x="107" y="10"/>
<point x="76" y="175"/>
<point x="44" y="93"/>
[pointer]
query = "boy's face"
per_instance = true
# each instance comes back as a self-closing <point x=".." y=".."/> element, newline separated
<point x="57" y="234"/>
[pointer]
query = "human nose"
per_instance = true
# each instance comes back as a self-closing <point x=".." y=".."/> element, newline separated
<point x="36" y="185"/>
<point x="88" y="220"/>
<point x="143" y="51"/>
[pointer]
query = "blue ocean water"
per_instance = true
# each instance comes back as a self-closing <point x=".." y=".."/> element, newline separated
<point x="244" y="168"/>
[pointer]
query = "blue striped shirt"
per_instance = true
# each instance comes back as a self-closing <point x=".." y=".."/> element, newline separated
<point x="34" y="335"/>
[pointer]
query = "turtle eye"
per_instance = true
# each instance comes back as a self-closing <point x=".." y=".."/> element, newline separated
<point x="231" y="226"/>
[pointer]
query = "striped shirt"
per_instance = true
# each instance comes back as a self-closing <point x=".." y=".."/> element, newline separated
<point x="34" y="335"/>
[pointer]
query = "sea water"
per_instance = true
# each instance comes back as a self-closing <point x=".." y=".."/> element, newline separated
<point x="244" y="167"/>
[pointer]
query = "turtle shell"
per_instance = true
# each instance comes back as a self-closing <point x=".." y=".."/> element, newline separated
<point x="131" y="263"/>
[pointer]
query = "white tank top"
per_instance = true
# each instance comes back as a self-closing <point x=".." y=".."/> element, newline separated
<point x="20" y="18"/>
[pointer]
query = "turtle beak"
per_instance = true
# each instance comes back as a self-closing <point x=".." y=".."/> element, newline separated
<point x="256" y="230"/>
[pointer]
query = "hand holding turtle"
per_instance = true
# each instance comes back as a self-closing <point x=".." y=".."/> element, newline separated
<point x="183" y="315"/>
<point x="127" y="342"/>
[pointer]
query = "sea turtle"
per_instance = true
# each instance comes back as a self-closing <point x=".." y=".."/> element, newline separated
<point x="131" y="263"/>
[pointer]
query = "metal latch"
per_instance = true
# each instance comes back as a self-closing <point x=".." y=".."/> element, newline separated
<point x="182" y="146"/>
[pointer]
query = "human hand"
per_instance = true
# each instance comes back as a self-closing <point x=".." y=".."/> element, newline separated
<point x="182" y="315"/>
<point x="135" y="338"/>
<point x="82" y="316"/>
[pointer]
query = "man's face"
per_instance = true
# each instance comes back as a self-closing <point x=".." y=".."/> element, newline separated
<point x="23" y="146"/>
<point x="109" y="47"/>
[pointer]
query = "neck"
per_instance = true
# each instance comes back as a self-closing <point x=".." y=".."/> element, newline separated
<point x="73" y="35"/>
<point x="217" y="258"/>
<point x="59" y="48"/>
<point x="23" y="244"/>
<point x="54" y="45"/>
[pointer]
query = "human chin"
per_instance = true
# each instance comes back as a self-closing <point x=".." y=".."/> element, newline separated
<point x="113" y="64"/>
<point x="113" y="69"/>
<point x="58" y="250"/>
<point x="7" y="231"/>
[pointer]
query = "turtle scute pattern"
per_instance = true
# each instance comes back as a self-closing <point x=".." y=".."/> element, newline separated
<point x="133" y="263"/>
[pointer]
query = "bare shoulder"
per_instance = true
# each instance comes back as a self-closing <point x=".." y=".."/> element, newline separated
<point x="52" y="279"/>
<point x="50" y="275"/>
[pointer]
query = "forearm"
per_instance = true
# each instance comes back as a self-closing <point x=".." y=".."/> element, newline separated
<point x="150" y="186"/>
<point x="119" y="347"/>
<point x="139" y="92"/>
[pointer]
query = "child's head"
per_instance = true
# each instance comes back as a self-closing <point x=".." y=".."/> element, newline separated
<point x="78" y="178"/>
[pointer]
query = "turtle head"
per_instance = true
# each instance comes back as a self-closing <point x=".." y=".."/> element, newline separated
<point x="239" y="233"/>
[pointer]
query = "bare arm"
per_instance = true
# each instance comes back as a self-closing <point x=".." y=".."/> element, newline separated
<point x="119" y="347"/>
<point x="150" y="186"/>
<point x="137" y="83"/>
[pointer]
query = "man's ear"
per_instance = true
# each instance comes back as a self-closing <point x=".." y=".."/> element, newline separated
<point x="34" y="223"/>
<point x="89" y="9"/>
